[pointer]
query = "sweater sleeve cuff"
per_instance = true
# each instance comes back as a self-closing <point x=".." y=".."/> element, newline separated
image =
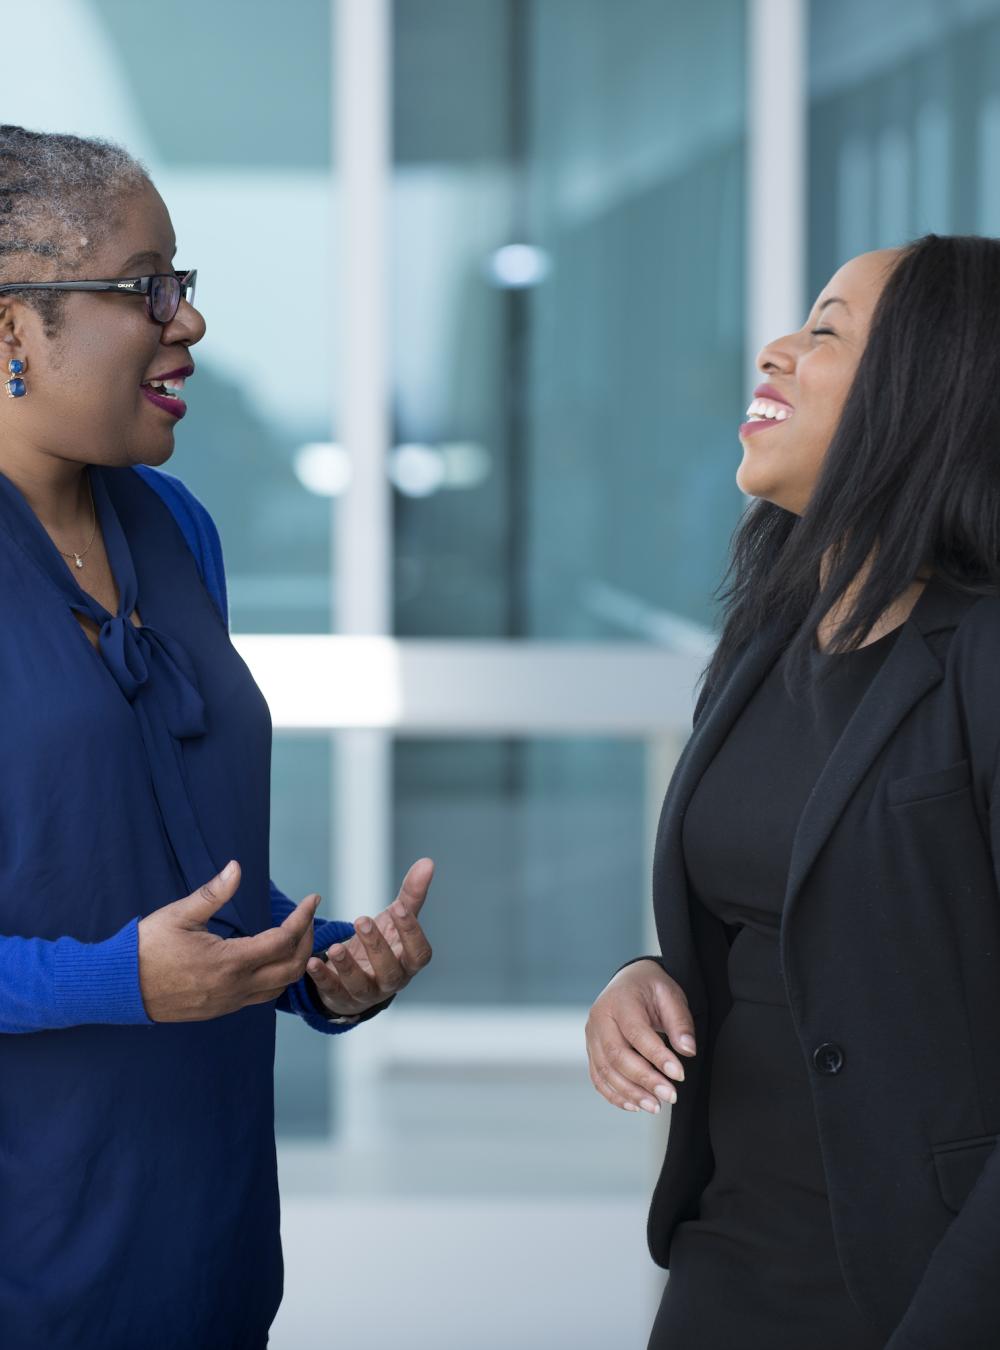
<point x="99" y="981"/>
<point x="300" y="1002"/>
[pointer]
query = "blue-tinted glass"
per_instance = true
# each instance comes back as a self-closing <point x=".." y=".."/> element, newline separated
<point x="541" y="888"/>
<point x="568" y="317"/>
<point x="568" y="361"/>
<point x="300" y="864"/>
<point x="904" y="126"/>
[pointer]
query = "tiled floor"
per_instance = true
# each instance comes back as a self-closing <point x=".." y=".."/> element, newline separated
<point x="498" y="1212"/>
<point x="459" y="1274"/>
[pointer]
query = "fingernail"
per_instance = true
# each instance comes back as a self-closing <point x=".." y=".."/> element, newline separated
<point x="665" y="1094"/>
<point x="687" y="1043"/>
<point x="399" y="909"/>
<point x="631" y="1106"/>
<point x="649" y="1105"/>
<point x="229" y="869"/>
<point x="364" y="925"/>
<point x="674" y="1069"/>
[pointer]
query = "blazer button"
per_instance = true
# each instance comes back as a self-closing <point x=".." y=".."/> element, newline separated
<point x="828" y="1057"/>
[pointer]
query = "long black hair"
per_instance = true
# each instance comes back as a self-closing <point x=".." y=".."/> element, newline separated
<point x="910" y="483"/>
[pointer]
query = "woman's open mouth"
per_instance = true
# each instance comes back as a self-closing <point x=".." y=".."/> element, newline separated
<point x="166" y="394"/>
<point x="764" y="412"/>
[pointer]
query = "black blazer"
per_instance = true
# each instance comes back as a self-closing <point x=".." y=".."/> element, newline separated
<point x="890" y="947"/>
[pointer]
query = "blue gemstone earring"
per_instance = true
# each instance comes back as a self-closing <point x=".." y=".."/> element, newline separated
<point x="15" y="386"/>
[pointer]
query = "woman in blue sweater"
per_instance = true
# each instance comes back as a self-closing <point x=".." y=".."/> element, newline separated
<point x="139" y="974"/>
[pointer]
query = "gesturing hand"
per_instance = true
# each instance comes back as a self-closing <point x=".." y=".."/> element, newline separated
<point x="383" y="955"/>
<point x="187" y="974"/>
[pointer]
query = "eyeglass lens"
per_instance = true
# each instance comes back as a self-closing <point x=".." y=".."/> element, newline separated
<point x="165" y="297"/>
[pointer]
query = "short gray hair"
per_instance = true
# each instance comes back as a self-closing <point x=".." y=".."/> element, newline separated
<point x="55" y="194"/>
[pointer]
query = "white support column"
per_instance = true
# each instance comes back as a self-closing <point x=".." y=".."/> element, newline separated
<point x="776" y="173"/>
<point x="362" y="106"/>
<point x="361" y="828"/>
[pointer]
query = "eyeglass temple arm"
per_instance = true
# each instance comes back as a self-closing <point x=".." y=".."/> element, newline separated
<point x="59" y="286"/>
<point x="108" y="285"/>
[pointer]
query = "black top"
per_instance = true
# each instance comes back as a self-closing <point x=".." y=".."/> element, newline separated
<point x="758" y="1267"/>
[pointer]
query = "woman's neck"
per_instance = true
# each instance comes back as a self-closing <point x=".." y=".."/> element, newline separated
<point x="890" y="618"/>
<point x="56" y="489"/>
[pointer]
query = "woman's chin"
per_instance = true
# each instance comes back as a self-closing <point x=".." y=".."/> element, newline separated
<point x="755" y="483"/>
<point x="151" y="455"/>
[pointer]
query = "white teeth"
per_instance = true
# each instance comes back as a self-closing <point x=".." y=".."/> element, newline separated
<point x="765" y="408"/>
<point x="174" y="385"/>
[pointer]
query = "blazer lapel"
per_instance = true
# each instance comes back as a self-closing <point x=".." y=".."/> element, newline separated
<point x="908" y="672"/>
<point x="904" y="677"/>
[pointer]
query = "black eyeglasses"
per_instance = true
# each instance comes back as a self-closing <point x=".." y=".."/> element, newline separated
<point x="163" y="290"/>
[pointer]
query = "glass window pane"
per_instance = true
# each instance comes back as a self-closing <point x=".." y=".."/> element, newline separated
<point x="568" y="314"/>
<point x="301" y="806"/>
<point x="904" y="126"/>
<point x="541" y="888"/>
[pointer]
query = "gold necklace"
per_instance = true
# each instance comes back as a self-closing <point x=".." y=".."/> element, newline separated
<point x="78" y="557"/>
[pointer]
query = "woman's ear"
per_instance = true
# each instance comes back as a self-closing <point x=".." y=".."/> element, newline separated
<point x="12" y="327"/>
<point x="13" y="357"/>
<point x="22" y="334"/>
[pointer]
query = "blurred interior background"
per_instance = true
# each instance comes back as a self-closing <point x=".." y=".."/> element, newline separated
<point x="484" y="283"/>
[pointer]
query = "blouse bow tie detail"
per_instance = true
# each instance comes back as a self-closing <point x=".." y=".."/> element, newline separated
<point x="134" y="655"/>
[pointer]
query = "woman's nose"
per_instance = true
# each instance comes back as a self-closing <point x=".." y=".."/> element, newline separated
<point x="187" y="325"/>
<point x="773" y="358"/>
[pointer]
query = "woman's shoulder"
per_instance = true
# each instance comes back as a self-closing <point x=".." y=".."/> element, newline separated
<point x="191" y="514"/>
<point x="977" y="632"/>
<point x="175" y="492"/>
<point x="197" y="526"/>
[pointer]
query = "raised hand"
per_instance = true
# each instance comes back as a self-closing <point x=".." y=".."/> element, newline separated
<point x="383" y="955"/>
<point x="187" y="974"/>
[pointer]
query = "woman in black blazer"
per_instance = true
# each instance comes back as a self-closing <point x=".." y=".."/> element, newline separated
<point x="826" y="879"/>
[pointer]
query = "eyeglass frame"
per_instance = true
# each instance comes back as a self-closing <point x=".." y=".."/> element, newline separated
<point x="117" y="286"/>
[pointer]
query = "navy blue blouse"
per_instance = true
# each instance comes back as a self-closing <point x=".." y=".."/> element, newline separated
<point x="138" y="1181"/>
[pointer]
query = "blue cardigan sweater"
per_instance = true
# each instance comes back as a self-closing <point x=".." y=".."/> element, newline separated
<point x="46" y="984"/>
